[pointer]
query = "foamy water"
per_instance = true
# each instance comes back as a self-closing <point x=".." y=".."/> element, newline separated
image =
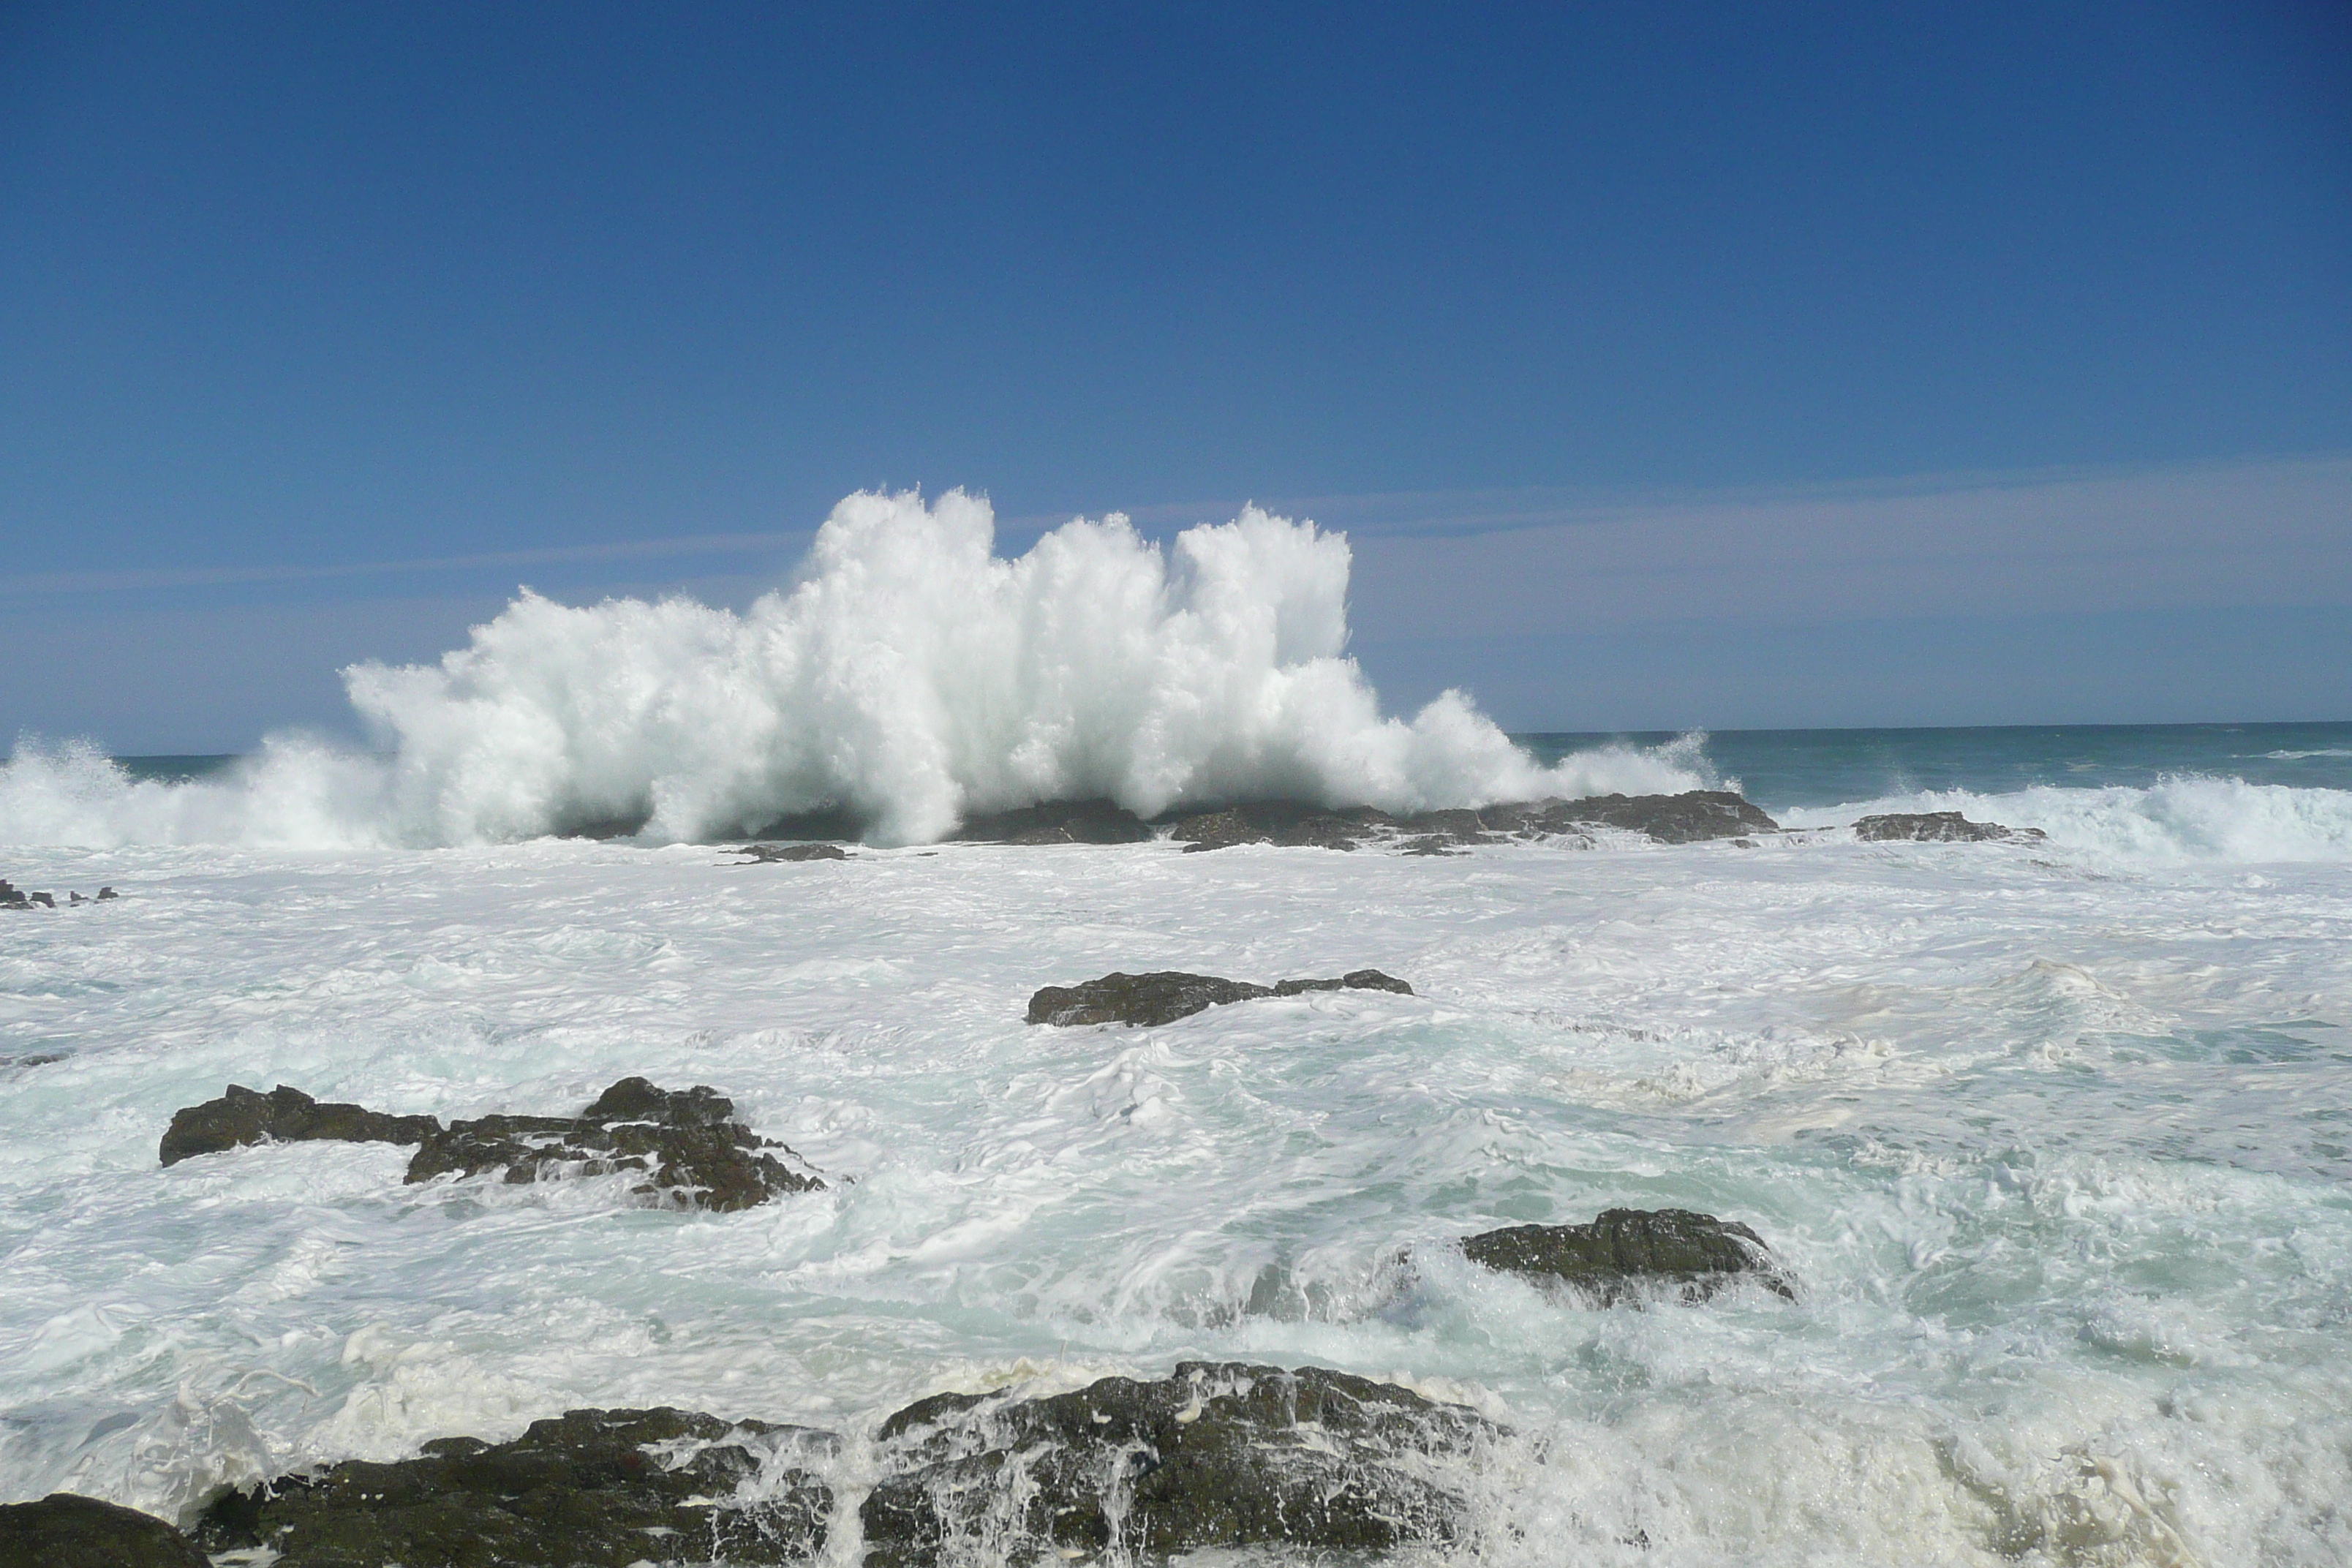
<point x="2054" y="1136"/>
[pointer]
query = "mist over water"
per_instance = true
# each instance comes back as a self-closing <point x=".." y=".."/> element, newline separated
<point x="908" y="677"/>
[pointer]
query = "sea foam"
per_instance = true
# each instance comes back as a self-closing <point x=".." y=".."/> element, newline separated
<point x="909" y="676"/>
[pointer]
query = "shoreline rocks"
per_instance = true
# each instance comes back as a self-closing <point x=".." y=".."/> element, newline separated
<point x="64" y="1530"/>
<point x="687" y="1141"/>
<point x="1628" y="1253"/>
<point x="771" y="854"/>
<point x="1939" y="827"/>
<point x="1165" y="996"/>
<point x="590" y="1489"/>
<point x="1217" y="1455"/>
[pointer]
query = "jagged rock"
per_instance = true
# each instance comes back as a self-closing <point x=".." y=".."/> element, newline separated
<point x="687" y="1141"/>
<point x="1691" y="818"/>
<point x="1057" y="822"/>
<point x="282" y="1116"/>
<point x="591" y="1489"/>
<point x="768" y="854"/>
<point x="63" y="1531"/>
<point x="1168" y="994"/>
<point x="693" y="1152"/>
<point x="12" y="897"/>
<point x="106" y="893"/>
<point x="1281" y="823"/>
<point x="1216" y="1455"/>
<point x="1937" y="828"/>
<point x="1629" y="1253"/>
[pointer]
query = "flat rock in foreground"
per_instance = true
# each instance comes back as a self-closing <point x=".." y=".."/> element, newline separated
<point x="1628" y="1253"/>
<point x="63" y="1531"/>
<point x="1216" y="1455"/>
<point x="1937" y="828"/>
<point x="591" y="1489"/>
<point x="693" y="1153"/>
<point x="1168" y="994"/>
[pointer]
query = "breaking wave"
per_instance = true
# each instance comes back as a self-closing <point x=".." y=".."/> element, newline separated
<point x="2178" y="821"/>
<point x="908" y="678"/>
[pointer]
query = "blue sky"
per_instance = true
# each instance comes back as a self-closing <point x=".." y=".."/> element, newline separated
<point x="1722" y="365"/>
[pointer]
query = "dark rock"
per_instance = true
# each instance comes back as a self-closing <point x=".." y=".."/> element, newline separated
<point x="11" y="898"/>
<point x="282" y="1116"/>
<point x="43" y="899"/>
<point x="692" y="1150"/>
<point x="1628" y="1253"/>
<point x="687" y="1141"/>
<point x="591" y="1489"/>
<point x="831" y="822"/>
<point x="1217" y="1455"/>
<point x="1284" y="823"/>
<point x="1168" y="994"/>
<point x="1691" y="818"/>
<point x="766" y="854"/>
<point x="1057" y="822"/>
<point x="106" y="893"/>
<point x="1939" y="827"/>
<point x="33" y="1060"/>
<point x="63" y="1531"/>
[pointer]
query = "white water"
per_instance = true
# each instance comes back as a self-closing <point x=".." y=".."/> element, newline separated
<point x="2180" y="821"/>
<point x="911" y="677"/>
<point x="2056" y="1145"/>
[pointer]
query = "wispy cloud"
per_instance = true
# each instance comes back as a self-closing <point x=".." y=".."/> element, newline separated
<point x="135" y="579"/>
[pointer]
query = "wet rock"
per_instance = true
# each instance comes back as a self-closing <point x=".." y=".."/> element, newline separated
<point x="1282" y="823"/>
<point x="591" y="1489"/>
<point x="1165" y="996"/>
<point x="106" y="893"/>
<point x="693" y="1153"/>
<point x="1217" y="1455"/>
<point x="282" y="1116"/>
<point x="1691" y="818"/>
<point x="768" y="854"/>
<point x="11" y="898"/>
<point x="63" y="1531"/>
<point x="1058" y="822"/>
<point x="1628" y="1253"/>
<point x="1939" y="827"/>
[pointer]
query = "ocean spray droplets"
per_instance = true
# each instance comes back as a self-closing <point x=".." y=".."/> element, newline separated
<point x="910" y="677"/>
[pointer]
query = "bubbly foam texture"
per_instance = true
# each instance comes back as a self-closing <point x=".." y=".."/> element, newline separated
<point x="909" y="678"/>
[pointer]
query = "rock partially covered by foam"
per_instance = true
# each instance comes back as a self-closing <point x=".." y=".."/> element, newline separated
<point x="693" y="1153"/>
<point x="1057" y="822"/>
<point x="282" y="1116"/>
<point x="63" y="1531"/>
<point x="1165" y="996"/>
<point x="1630" y="1254"/>
<point x="1937" y="828"/>
<point x="591" y="1489"/>
<point x="770" y="854"/>
<point x="1280" y="823"/>
<point x="1217" y="1455"/>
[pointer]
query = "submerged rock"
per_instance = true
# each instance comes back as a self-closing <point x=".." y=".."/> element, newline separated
<point x="1629" y="1253"/>
<point x="1215" y="1456"/>
<point x="1058" y="822"/>
<point x="768" y="854"/>
<point x="687" y="1141"/>
<point x="1165" y="996"/>
<point x="693" y="1152"/>
<point x="282" y="1116"/>
<point x="1937" y="828"/>
<point x="591" y="1489"/>
<point x="63" y="1531"/>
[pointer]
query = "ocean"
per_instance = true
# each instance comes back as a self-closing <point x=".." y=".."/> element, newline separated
<point x="2051" y="1136"/>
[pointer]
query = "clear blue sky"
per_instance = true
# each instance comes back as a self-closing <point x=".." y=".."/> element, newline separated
<point x="286" y="291"/>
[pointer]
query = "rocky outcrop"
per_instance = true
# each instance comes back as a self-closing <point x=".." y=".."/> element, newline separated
<point x="1939" y="827"/>
<point x="693" y="1153"/>
<point x="770" y="854"/>
<point x="12" y="896"/>
<point x="1058" y="822"/>
<point x="1168" y="994"/>
<point x="1217" y="1455"/>
<point x="63" y="1531"/>
<point x="282" y="1116"/>
<point x="692" y="1150"/>
<point x="1630" y="1255"/>
<point x="591" y="1489"/>
<point x="1279" y="823"/>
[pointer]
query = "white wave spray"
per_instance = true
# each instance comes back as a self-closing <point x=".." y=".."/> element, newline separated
<point x="909" y="678"/>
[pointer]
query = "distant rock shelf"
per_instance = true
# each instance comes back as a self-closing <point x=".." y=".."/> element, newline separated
<point x="1165" y="996"/>
<point x="1939" y="828"/>
<point x="15" y="898"/>
<point x="690" y="1150"/>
